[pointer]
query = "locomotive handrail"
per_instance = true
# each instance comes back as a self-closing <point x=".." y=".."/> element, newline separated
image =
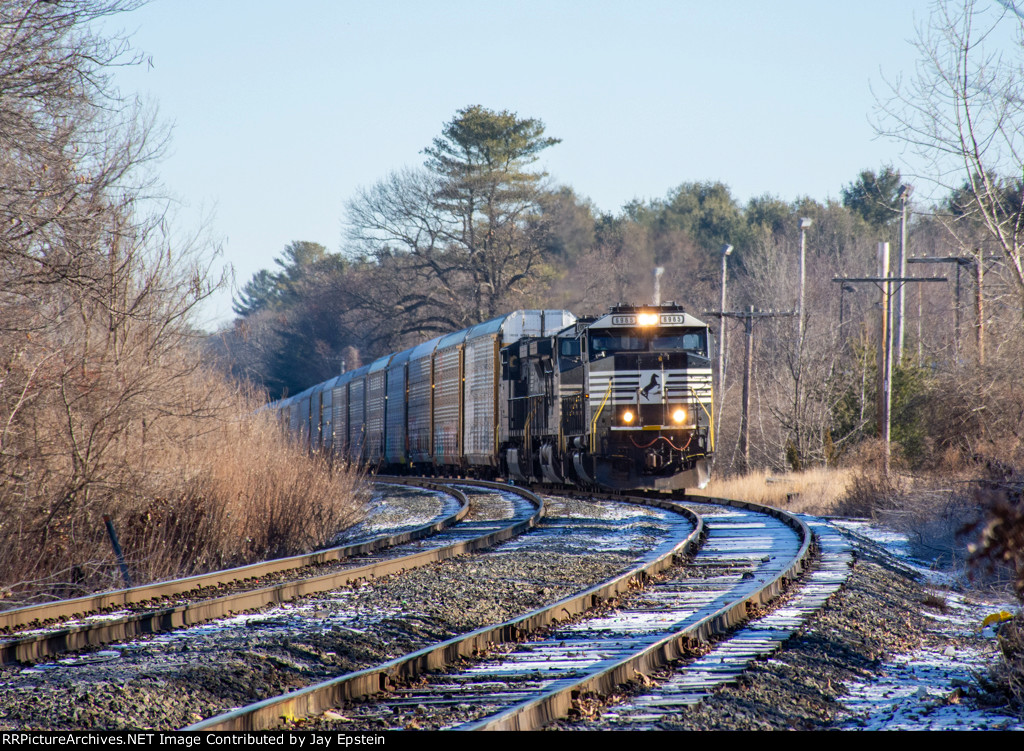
<point x="593" y="424"/>
<point x="711" y="416"/>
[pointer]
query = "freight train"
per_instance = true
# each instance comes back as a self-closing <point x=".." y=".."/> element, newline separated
<point x="620" y="401"/>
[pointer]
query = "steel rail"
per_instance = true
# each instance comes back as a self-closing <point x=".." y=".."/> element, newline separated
<point x="556" y="703"/>
<point x="537" y="712"/>
<point x="32" y="614"/>
<point x="694" y="681"/>
<point x="315" y="699"/>
<point x="35" y="647"/>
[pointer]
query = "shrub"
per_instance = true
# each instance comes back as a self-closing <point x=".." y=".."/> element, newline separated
<point x="869" y="490"/>
<point x="185" y="494"/>
<point x="1000" y="532"/>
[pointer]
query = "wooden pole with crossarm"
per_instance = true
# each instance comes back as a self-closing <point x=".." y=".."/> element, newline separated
<point x="748" y="317"/>
<point x="884" y="281"/>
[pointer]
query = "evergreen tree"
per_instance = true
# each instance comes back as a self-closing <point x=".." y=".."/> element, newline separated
<point x="875" y="197"/>
<point x="466" y="226"/>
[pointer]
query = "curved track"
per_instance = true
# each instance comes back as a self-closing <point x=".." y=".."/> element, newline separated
<point x="359" y="562"/>
<point x="744" y="551"/>
<point x="172" y="680"/>
<point x="17" y="618"/>
<point x="561" y="659"/>
<point x="726" y="661"/>
<point x="751" y="554"/>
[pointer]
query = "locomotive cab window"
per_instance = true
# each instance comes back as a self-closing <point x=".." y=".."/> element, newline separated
<point x="608" y="344"/>
<point x="603" y="344"/>
<point x="569" y="354"/>
<point x="693" y="340"/>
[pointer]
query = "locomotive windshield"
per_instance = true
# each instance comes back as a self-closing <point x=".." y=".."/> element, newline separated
<point x="604" y="343"/>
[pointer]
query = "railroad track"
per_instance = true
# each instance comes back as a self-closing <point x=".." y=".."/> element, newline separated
<point x="420" y="685"/>
<point x="750" y="554"/>
<point x="300" y="575"/>
<point x="725" y="662"/>
<point x="174" y="679"/>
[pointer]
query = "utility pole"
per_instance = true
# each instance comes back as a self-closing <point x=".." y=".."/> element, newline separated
<point x="965" y="261"/>
<point x="748" y="317"/>
<point x="900" y="321"/>
<point x="726" y="252"/>
<point x="885" y="281"/>
<point x="920" y="327"/>
<point x="979" y="313"/>
<point x="805" y="224"/>
<point x="798" y="366"/>
<point x="885" y="353"/>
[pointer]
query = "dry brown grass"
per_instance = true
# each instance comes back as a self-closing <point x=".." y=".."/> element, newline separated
<point x="931" y="510"/>
<point x="216" y="486"/>
<point x="244" y="493"/>
<point x="813" y="491"/>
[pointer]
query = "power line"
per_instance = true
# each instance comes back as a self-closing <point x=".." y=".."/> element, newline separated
<point x="748" y="316"/>
<point x="884" y="281"/>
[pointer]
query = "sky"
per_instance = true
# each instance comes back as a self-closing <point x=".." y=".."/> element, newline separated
<point x="282" y="112"/>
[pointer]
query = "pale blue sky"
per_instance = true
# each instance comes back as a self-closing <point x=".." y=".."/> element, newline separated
<point x="281" y="111"/>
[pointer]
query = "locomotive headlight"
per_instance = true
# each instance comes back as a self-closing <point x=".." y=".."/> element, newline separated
<point x="628" y="417"/>
<point x="679" y="415"/>
<point x="647" y="319"/>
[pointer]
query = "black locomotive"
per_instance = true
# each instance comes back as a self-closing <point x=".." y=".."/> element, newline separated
<point x="619" y="401"/>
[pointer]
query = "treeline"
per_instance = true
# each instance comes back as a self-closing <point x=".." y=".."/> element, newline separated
<point x="478" y="231"/>
<point x="106" y="407"/>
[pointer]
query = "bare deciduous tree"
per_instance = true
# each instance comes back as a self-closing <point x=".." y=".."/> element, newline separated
<point x="962" y="113"/>
<point x="105" y="406"/>
<point x="466" y="227"/>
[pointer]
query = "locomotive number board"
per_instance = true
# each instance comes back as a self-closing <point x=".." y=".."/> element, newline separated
<point x="648" y="319"/>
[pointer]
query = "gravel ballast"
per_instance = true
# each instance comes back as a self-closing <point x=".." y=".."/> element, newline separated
<point x="882" y="619"/>
<point x="176" y="679"/>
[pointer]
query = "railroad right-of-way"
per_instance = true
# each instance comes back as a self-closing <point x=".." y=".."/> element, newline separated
<point x="699" y="595"/>
<point x="167" y="681"/>
<point x="844" y="622"/>
<point x="750" y="554"/>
